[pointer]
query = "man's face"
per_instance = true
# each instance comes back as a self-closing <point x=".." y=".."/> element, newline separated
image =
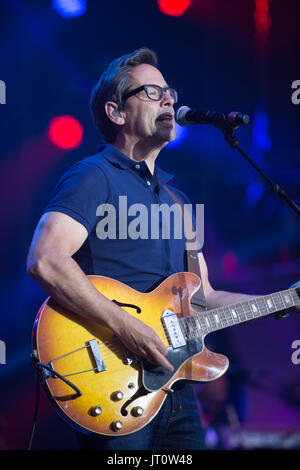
<point x="145" y="118"/>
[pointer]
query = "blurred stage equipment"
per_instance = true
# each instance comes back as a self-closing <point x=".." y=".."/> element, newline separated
<point x="224" y="429"/>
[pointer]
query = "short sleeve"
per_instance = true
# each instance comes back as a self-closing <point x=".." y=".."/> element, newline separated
<point x="79" y="192"/>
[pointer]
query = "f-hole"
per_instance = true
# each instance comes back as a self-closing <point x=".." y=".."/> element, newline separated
<point x="122" y="304"/>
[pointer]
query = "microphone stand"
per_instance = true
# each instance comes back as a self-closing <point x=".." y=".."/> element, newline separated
<point x="234" y="143"/>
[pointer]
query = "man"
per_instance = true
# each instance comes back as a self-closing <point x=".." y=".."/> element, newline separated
<point x="132" y="106"/>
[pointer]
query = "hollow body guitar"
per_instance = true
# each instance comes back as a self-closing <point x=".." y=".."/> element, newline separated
<point x="99" y="386"/>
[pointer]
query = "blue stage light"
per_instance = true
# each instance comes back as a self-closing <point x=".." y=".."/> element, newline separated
<point x="69" y="8"/>
<point x="181" y="133"/>
<point x="254" y="193"/>
<point x="261" y="140"/>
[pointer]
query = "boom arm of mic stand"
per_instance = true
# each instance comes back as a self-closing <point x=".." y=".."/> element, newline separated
<point x="234" y="143"/>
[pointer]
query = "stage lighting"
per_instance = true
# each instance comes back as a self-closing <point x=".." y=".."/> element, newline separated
<point x="173" y="7"/>
<point x="69" y="8"/>
<point x="254" y="193"/>
<point x="229" y="263"/>
<point x="181" y="133"/>
<point x="65" y="132"/>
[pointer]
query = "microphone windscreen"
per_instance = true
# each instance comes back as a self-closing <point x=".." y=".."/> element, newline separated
<point x="180" y="115"/>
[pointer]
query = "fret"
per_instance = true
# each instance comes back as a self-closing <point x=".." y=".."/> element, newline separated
<point x="200" y="329"/>
<point x="182" y="322"/>
<point x="228" y="314"/>
<point x="248" y="310"/>
<point x="185" y="322"/>
<point x="245" y="311"/>
<point x="196" y="324"/>
<point x="262" y="306"/>
<point x="287" y="298"/>
<point x="235" y="314"/>
<point x="217" y="319"/>
<point x="295" y="293"/>
<point x="212" y="320"/>
<point x="193" y="326"/>
<point x="207" y="323"/>
<point x="241" y="312"/>
<point x="255" y="308"/>
<point x="222" y="316"/>
<point x="270" y="303"/>
<point x="277" y="300"/>
<point x="282" y="301"/>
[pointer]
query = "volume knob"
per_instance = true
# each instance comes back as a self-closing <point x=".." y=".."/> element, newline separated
<point x="117" y="425"/>
<point x="117" y="396"/>
<point x="96" y="411"/>
<point x="137" y="411"/>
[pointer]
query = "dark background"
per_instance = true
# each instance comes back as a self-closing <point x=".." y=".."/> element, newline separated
<point x="218" y="58"/>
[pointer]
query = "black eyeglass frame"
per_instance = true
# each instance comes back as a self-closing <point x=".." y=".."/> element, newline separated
<point x="161" y="90"/>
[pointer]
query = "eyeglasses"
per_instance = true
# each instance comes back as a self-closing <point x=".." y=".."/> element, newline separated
<point x="154" y="92"/>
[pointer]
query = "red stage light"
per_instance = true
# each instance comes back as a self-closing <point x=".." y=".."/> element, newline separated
<point x="173" y="7"/>
<point x="262" y="16"/>
<point x="65" y="132"/>
<point x="229" y="263"/>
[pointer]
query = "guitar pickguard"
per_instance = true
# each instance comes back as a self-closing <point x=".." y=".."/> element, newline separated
<point x="156" y="377"/>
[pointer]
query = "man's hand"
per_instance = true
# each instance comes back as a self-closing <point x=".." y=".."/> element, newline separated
<point x="142" y="340"/>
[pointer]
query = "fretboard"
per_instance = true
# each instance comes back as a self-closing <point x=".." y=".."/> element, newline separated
<point x="208" y="321"/>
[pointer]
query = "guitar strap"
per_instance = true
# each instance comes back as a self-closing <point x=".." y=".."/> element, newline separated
<point x="198" y="299"/>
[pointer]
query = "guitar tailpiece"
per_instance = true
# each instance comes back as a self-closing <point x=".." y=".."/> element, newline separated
<point x="46" y="372"/>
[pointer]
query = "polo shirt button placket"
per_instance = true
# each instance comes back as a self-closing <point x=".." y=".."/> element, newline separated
<point x="148" y="183"/>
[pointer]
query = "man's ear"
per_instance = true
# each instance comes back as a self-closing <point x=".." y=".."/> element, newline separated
<point x="113" y="113"/>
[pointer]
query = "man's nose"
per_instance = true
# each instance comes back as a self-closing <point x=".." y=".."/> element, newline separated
<point x="167" y="99"/>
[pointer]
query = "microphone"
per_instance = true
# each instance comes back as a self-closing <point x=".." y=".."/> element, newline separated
<point x="185" y="116"/>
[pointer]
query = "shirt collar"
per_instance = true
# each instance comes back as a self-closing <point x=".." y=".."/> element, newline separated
<point x="114" y="155"/>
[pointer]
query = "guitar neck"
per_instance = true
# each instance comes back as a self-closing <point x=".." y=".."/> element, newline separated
<point x="208" y="321"/>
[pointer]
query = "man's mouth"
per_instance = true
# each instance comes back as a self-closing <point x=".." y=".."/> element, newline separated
<point x="166" y="117"/>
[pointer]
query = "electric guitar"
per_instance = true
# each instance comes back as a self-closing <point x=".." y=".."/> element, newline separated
<point x="99" y="386"/>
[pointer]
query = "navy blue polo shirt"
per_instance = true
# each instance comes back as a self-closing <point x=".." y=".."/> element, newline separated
<point x="113" y="196"/>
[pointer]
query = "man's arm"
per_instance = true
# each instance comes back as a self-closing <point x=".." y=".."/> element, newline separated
<point x="217" y="298"/>
<point x="56" y="238"/>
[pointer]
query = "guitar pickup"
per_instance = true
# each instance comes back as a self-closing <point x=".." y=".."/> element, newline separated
<point x="171" y="323"/>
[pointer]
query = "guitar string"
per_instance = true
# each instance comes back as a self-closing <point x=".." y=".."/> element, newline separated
<point x="109" y="345"/>
<point x="192" y="329"/>
<point x="198" y="317"/>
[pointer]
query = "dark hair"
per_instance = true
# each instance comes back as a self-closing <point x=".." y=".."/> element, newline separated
<point x="112" y="86"/>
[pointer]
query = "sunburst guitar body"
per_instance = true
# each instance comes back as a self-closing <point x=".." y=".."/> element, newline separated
<point x="101" y="387"/>
<point x="120" y="393"/>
